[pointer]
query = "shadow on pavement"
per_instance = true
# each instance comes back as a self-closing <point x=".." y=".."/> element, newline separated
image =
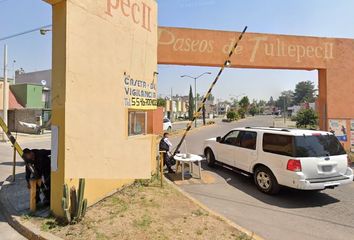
<point x="16" y="194"/>
<point x="286" y="198"/>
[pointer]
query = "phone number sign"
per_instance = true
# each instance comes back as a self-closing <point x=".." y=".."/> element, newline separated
<point x="139" y="94"/>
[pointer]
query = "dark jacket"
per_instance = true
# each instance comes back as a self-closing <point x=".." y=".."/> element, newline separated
<point x="163" y="146"/>
<point x="41" y="164"/>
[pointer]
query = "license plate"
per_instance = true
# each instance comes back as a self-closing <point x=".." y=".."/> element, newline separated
<point x="327" y="168"/>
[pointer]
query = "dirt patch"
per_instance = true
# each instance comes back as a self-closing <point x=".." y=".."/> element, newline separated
<point x="144" y="211"/>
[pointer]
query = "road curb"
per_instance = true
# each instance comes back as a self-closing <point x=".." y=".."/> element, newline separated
<point x="204" y="207"/>
<point x="25" y="228"/>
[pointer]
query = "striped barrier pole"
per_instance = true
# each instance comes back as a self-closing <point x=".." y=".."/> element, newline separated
<point x="197" y="113"/>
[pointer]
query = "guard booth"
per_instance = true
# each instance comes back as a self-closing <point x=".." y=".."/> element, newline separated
<point x="104" y="115"/>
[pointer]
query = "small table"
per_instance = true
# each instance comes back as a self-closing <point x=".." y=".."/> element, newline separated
<point x="182" y="159"/>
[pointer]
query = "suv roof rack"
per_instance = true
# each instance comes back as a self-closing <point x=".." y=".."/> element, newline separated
<point x="270" y="128"/>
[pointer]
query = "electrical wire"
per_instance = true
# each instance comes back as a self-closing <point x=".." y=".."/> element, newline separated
<point x="25" y="32"/>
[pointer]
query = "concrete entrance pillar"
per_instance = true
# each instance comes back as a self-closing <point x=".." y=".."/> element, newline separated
<point x="104" y="67"/>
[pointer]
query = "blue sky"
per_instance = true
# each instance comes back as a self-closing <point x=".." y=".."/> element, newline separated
<point x="325" y="18"/>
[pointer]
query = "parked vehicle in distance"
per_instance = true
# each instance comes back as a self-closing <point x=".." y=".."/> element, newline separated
<point x="296" y="158"/>
<point x="167" y="125"/>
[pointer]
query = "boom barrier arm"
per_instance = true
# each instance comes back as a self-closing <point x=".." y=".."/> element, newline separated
<point x="197" y="113"/>
<point x="11" y="138"/>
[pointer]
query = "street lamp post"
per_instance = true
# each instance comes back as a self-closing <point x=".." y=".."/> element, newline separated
<point x="195" y="90"/>
<point x="14" y="72"/>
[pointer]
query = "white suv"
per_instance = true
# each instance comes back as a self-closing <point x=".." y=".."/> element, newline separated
<point x="301" y="159"/>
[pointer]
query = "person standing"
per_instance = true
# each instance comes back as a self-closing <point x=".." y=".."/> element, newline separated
<point x="38" y="167"/>
<point x="166" y="145"/>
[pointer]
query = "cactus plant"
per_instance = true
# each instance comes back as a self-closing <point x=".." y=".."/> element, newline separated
<point x="84" y="208"/>
<point x="65" y="203"/>
<point x="78" y="205"/>
<point x="73" y="201"/>
<point x="80" y="198"/>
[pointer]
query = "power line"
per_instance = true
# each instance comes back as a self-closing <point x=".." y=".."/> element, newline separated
<point x="22" y="33"/>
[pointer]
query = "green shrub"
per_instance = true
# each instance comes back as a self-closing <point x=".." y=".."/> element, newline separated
<point x="231" y="115"/>
<point x="306" y="118"/>
<point x="210" y="122"/>
<point x="242" y="113"/>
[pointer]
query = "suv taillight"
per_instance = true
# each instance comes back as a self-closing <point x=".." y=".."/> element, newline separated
<point x="294" y="165"/>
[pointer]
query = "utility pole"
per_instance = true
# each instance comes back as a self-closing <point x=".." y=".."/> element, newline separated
<point x="14" y="72"/>
<point x="196" y="101"/>
<point x="284" y="112"/>
<point x="5" y="93"/>
<point x="171" y="106"/>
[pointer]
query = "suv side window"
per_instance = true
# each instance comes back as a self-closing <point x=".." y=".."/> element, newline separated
<point x="231" y="138"/>
<point x="248" y="140"/>
<point x="278" y="144"/>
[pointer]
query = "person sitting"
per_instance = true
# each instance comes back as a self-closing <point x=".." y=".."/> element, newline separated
<point x="166" y="145"/>
<point x="38" y="167"/>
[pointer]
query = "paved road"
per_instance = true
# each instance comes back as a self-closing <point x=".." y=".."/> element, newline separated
<point x="178" y="125"/>
<point x="290" y="215"/>
<point x="6" y="152"/>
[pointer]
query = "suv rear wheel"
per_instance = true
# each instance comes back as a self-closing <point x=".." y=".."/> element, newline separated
<point x="265" y="180"/>
<point x="210" y="158"/>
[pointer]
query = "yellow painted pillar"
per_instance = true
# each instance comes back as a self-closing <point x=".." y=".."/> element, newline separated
<point x="103" y="53"/>
<point x="58" y="100"/>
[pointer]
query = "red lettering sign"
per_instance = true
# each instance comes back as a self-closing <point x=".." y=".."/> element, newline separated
<point x="139" y="13"/>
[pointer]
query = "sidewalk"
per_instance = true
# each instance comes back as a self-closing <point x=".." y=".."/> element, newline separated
<point x="14" y="202"/>
<point x="16" y="194"/>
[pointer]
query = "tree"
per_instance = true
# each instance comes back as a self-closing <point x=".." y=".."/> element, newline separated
<point x="262" y="103"/>
<point x="161" y="102"/>
<point x="286" y="97"/>
<point x="198" y="97"/>
<point x="244" y="103"/>
<point x="306" y="118"/>
<point x="271" y="102"/>
<point x="190" y="104"/>
<point x="254" y="109"/>
<point x="304" y="92"/>
<point x="261" y="106"/>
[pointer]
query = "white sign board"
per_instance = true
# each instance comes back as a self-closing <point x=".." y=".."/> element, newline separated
<point x="54" y="152"/>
